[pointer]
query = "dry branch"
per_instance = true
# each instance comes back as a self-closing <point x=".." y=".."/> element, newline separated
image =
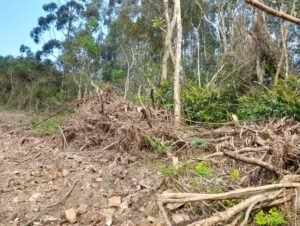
<point x="239" y="193"/>
<point x="228" y="214"/>
<point x="242" y="150"/>
<point x="273" y="12"/>
<point x="254" y="161"/>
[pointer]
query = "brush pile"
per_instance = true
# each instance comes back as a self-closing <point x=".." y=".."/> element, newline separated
<point x="108" y="121"/>
<point x="262" y="154"/>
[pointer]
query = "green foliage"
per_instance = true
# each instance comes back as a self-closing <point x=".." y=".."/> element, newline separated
<point x="282" y="100"/>
<point x="30" y="85"/>
<point x="228" y="202"/>
<point x="203" y="105"/>
<point x="204" y="170"/>
<point x="199" y="142"/>
<point x="206" y="105"/>
<point x="157" y="144"/>
<point x="48" y="127"/>
<point x="272" y="218"/>
<point x="235" y="175"/>
<point x="172" y="172"/>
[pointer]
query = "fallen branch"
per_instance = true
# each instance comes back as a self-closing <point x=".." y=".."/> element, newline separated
<point x="233" y="211"/>
<point x="52" y="205"/>
<point x="257" y="162"/>
<point x="164" y="214"/>
<point x="242" y="150"/>
<point x="239" y="193"/>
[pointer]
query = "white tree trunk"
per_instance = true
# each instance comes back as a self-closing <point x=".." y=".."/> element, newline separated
<point x="177" y="103"/>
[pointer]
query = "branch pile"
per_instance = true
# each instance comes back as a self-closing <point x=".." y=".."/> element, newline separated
<point x="262" y="154"/>
<point x="108" y="121"/>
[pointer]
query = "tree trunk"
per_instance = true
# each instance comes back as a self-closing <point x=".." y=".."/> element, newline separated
<point x="168" y="41"/>
<point x="177" y="104"/>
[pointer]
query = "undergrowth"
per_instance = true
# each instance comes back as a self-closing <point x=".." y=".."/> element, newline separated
<point x="218" y="105"/>
<point x="50" y="126"/>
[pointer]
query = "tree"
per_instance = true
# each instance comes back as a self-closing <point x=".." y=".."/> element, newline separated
<point x="177" y="102"/>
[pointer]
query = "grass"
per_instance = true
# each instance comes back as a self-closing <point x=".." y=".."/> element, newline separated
<point x="48" y="127"/>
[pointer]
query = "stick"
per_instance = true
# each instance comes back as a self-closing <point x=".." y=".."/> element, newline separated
<point x="254" y="161"/>
<point x="164" y="213"/>
<point x="52" y="205"/>
<point x="242" y="150"/>
<point x="239" y="193"/>
<point x="233" y="211"/>
<point x="64" y="138"/>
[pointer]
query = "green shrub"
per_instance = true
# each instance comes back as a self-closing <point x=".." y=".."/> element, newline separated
<point x="272" y="218"/>
<point x="283" y="100"/>
<point x="204" y="170"/>
<point x="235" y="175"/>
<point x="156" y="144"/>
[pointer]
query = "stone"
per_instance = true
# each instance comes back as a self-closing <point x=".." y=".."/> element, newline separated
<point x="82" y="208"/>
<point x="34" y="197"/>
<point x="99" y="179"/>
<point x="65" y="172"/>
<point x="180" y="218"/>
<point x="114" y="201"/>
<point x="108" y="214"/>
<point x="71" y="215"/>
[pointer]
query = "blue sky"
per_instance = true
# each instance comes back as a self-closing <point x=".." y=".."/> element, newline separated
<point x="17" y="18"/>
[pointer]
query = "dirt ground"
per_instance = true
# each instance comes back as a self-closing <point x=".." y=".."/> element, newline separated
<point x="96" y="187"/>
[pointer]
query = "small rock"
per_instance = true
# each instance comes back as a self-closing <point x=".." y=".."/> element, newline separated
<point x="65" y="172"/>
<point x="78" y="158"/>
<point x="180" y="218"/>
<point x="36" y="174"/>
<point x="34" y="197"/>
<point x="49" y="219"/>
<point x="114" y="201"/>
<point x="108" y="214"/>
<point x="82" y="208"/>
<point x="71" y="215"/>
<point x="151" y="219"/>
<point x="99" y="179"/>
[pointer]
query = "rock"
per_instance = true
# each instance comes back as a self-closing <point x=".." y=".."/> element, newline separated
<point x="36" y="174"/>
<point x="65" y="172"/>
<point x="114" y="201"/>
<point x="99" y="179"/>
<point x="82" y="208"/>
<point x="108" y="214"/>
<point x="151" y="219"/>
<point x="78" y="158"/>
<point x="71" y="215"/>
<point x="34" y="197"/>
<point x="180" y="218"/>
<point x="49" y="219"/>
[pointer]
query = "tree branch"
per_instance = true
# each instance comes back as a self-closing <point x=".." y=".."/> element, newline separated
<point x="273" y="12"/>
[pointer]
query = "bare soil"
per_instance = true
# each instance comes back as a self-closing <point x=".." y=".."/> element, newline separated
<point x="36" y="173"/>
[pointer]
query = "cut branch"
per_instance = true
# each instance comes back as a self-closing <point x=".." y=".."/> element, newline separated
<point x="254" y="161"/>
<point x="273" y="12"/>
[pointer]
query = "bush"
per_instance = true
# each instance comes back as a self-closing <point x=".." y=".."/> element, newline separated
<point x="202" y="105"/>
<point x="283" y="100"/>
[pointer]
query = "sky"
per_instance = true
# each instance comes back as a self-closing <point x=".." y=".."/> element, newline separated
<point x="17" y="18"/>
